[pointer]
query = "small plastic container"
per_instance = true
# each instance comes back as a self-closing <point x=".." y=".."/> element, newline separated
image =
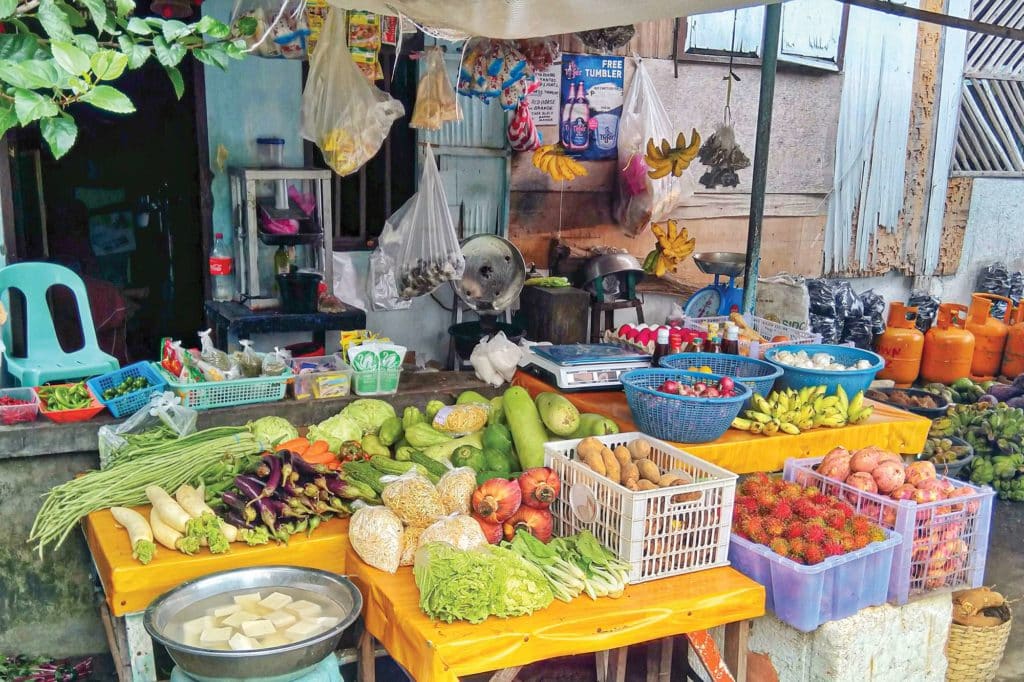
<point x="270" y="152"/>
<point x="129" y="403"/>
<point x="70" y="416"/>
<point x="319" y="377"/>
<point x="376" y="382"/>
<point x="19" y="414"/>
<point x="807" y="596"/>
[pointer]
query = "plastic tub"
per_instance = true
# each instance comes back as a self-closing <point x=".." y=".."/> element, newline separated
<point x="929" y="412"/>
<point x="677" y="418"/>
<point x="270" y="152"/>
<point x="853" y="381"/>
<point x="932" y="531"/>
<point x="70" y="416"/>
<point x="19" y="414"/>
<point x="643" y="527"/>
<point x="759" y="375"/>
<point x="318" y="377"/>
<point x="130" y="403"/>
<point x="299" y="291"/>
<point x="807" y="596"/>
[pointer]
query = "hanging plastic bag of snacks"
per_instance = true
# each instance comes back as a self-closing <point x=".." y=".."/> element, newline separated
<point x="413" y="498"/>
<point x="376" y="534"/>
<point x="364" y="43"/>
<point x="522" y="133"/>
<point x="436" y="102"/>
<point x="275" y="364"/>
<point x="495" y="69"/>
<point x="346" y="117"/>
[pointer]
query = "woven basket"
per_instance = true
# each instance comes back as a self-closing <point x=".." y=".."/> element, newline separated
<point x="974" y="654"/>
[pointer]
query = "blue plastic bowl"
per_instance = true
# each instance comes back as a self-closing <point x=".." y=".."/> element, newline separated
<point x="678" y="418"/>
<point x="759" y="375"/>
<point x="852" y="381"/>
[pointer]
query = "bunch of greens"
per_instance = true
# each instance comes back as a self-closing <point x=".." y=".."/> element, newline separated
<point x="574" y="565"/>
<point x="335" y="430"/>
<point x="472" y="585"/>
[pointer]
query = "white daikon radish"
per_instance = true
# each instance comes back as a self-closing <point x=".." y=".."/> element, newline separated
<point x="168" y="537"/>
<point x="140" y="535"/>
<point x="170" y="511"/>
<point x="193" y="501"/>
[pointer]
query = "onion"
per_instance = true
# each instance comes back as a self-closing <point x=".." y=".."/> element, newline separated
<point x="903" y="492"/>
<point x="919" y="471"/>
<point x="837" y="467"/>
<point x="864" y="460"/>
<point x="888" y="476"/>
<point x="861" y="480"/>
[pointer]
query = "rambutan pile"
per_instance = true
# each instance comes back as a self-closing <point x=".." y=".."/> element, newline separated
<point x="797" y="522"/>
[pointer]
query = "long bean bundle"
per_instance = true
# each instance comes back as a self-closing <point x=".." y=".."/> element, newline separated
<point x="205" y="457"/>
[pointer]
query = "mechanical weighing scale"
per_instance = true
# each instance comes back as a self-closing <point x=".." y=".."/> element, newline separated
<point x="582" y="366"/>
<point x="720" y="298"/>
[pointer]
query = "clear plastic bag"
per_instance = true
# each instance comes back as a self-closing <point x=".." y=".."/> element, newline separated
<point x="410" y="543"/>
<point x="458" y="530"/>
<point x="274" y="364"/>
<point x="345" y="116"/>
<point x="418" y="249"/>
<point x="456" y="488"/>
<point x="644" y="117"/>
<point x="377" y="536"/>
<point x="413" y="498"/>
<point x="212" y="355"/>
<point x="249" y="363"/>
<point x="281" y="28"/>
<point x="436" y="102"/>
<point x="164" y="409"/>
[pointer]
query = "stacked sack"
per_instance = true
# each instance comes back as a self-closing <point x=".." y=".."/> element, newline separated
<point x="840" y="315"/>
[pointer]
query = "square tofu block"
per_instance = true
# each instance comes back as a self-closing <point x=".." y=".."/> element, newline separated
<point x="240" y="642"/>
<point x="258" y="628"/>
<point x="194" y="628"/>
<point x="274" y="640"/>
<point x="236" y="619"/>
<point x="247" y="599"/>
<point x="303" y="629"/>
<point x="328" y="622"/>
<point x="225" y="611"/>
<point x="304" y="609"/>
<point x="275" y="601"/>
<point x="282" y="619"/>
<point x="215" y="635"/>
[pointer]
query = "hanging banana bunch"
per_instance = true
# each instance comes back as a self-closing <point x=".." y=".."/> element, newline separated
<point x="666" y="159"/>
<point x="552" y="160"/>
<point x="674" y="244"/>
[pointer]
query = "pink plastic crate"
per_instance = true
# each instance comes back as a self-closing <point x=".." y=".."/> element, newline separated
<point x="945" y="543"/>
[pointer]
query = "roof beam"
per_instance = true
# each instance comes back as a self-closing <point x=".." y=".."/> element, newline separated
<point x="938" y="18"/>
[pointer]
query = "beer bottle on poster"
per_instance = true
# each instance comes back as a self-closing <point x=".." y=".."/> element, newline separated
<point x="565" y="129"/>
<point x="579" y="138"/>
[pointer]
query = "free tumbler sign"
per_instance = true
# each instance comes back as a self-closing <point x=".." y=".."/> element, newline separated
<point x="591" y="105"/>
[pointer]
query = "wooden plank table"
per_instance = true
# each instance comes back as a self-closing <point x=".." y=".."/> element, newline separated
<point x="656" y="610"/>
<point x="742" y="452"/>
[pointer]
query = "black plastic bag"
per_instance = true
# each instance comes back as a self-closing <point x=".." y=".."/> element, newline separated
<point x="858" y="331"/>
<point x="995" y="279"/>
<point x="848" y="304"/>
<point x="874" y="308"/>
<point x="1016" y="286"/>
<point x="927" y="307"/>
<point x="829" y="328"/>
<point x="822" y="293"/>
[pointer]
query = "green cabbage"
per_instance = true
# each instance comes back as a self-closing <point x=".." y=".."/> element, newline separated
<point x="272" y="430"/>
<point x="471" y="585"/>
<point x="335" y="431"/>
<point x="369" y="414"/>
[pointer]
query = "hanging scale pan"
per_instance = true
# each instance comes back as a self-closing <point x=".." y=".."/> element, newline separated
<point x="494" y="274"/>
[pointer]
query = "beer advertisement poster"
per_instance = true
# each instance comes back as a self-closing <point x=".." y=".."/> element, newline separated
<point x="591" y="104"/>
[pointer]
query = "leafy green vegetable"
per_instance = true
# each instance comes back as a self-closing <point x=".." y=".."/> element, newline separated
<point x="369" y="414"/>
<point x="272" y="430"/>
<point x="472" y="585"/>
<point x="335" y="430"/>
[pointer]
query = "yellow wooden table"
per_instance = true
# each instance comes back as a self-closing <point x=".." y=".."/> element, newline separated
<point x="440" y="652"/>
<point x="742" y="452"/>
<point x="129" y="587"/>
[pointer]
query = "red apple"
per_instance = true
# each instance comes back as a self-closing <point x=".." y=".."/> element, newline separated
<point x="712" y="392"/>
<point x="726" y="385"/>
<point x="669" y="386"/>
<point x="700" y="387"/>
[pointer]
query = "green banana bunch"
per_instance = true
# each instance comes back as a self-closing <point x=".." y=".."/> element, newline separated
<point x="791" y="411"/>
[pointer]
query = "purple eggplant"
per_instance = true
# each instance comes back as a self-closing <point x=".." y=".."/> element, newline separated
<point x="304" y="468"/>
<point x="1005" y="392"/>
<point x="311" y="491"/>
<point x="269" y="511"/>
<point x="235" y="519"/>
<point x="250" y="487"/>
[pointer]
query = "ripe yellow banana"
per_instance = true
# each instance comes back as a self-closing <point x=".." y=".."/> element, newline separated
<point x="552" y="160"/>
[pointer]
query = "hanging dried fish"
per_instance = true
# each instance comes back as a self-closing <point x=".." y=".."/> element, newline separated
<point x="724" y="157"/>
<point x="607" y="39"/>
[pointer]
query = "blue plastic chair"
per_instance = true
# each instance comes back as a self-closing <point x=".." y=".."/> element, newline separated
<point x="44" y="359"/>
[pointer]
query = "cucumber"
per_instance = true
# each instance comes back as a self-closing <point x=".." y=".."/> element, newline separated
<point x="595" y="425"/>
<point x="527" y="429"/>
<point x="558" y="414"/>
<point x="469" y="397"/>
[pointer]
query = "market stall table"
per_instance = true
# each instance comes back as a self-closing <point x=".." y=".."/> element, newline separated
<point x="232" y="321"/>
<point x="742" y="452"/>
<point x="440" y="652"/>
<point x="129" y="587"/>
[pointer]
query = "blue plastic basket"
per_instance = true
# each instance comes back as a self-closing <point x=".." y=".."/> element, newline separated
<point x="759" y="375"/>
<point x="677" y="418"/>
<point x="130" y="403"/>
<point x="852" y="381"/>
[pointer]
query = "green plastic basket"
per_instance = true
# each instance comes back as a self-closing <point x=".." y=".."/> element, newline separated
<point x="207" y="395"/>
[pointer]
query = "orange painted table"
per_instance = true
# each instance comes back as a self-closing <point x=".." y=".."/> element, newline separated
<point x="130" y="587"/>
<point x="433" y="651"/>
<point x="742" y="452"/>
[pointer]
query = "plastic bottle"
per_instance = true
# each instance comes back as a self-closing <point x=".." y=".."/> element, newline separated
<point x="661" y="346"/>
<point x="731" y="344"/>
<point x="222" y="270"/>
<point x="715" y="345"/>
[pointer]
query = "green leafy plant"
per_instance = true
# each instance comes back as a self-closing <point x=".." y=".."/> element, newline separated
<point x="55" y="53"/>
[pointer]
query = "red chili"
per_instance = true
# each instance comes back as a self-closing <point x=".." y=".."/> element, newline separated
<point x="8" y="400"/>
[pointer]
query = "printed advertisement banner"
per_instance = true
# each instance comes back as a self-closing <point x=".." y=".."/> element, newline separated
<point x="591" y="105"/>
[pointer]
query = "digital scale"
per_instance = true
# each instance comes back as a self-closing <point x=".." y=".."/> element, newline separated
<point x="581" y="366"/>
<point x="721" y="298"/>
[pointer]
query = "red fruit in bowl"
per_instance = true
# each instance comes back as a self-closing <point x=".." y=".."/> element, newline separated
<point x="726" y="385"/>
<point x="687" y="390"/>
<point x="712" y="392"/>
<point x="700" y="387"/>
<point x="669" y="386"/>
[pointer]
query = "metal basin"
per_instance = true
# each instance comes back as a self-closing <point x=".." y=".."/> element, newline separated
<point x="726" y="263"/>
<point x="609" y="264"/>
<point x="209" y="665"/>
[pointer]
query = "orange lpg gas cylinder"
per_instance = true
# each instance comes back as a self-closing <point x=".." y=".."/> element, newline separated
<point x="989" y="335"/>
<point x="1013" y="354"/>
<point x="948" y="347"/>
<point x="901" y="344"/>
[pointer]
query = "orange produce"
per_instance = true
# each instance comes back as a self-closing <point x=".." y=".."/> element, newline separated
<point x="948" y="346"/>
<point x="901" y="345"/>
<point x="780" y="339"/>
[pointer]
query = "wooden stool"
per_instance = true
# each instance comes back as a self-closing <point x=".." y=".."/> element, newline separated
<point x="609" y="308"/>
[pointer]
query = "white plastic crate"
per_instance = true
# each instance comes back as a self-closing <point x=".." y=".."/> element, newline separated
<point x="945" y="543"/>
<point x="765" y="328"/>
<point x="660" y="533"/>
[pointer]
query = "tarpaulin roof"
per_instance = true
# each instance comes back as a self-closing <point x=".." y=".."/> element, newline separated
<point x="533" y="18"/>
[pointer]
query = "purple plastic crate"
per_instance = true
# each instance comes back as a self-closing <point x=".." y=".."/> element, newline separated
<point x="945" y="543"/>
<point x="807" y="596"/>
